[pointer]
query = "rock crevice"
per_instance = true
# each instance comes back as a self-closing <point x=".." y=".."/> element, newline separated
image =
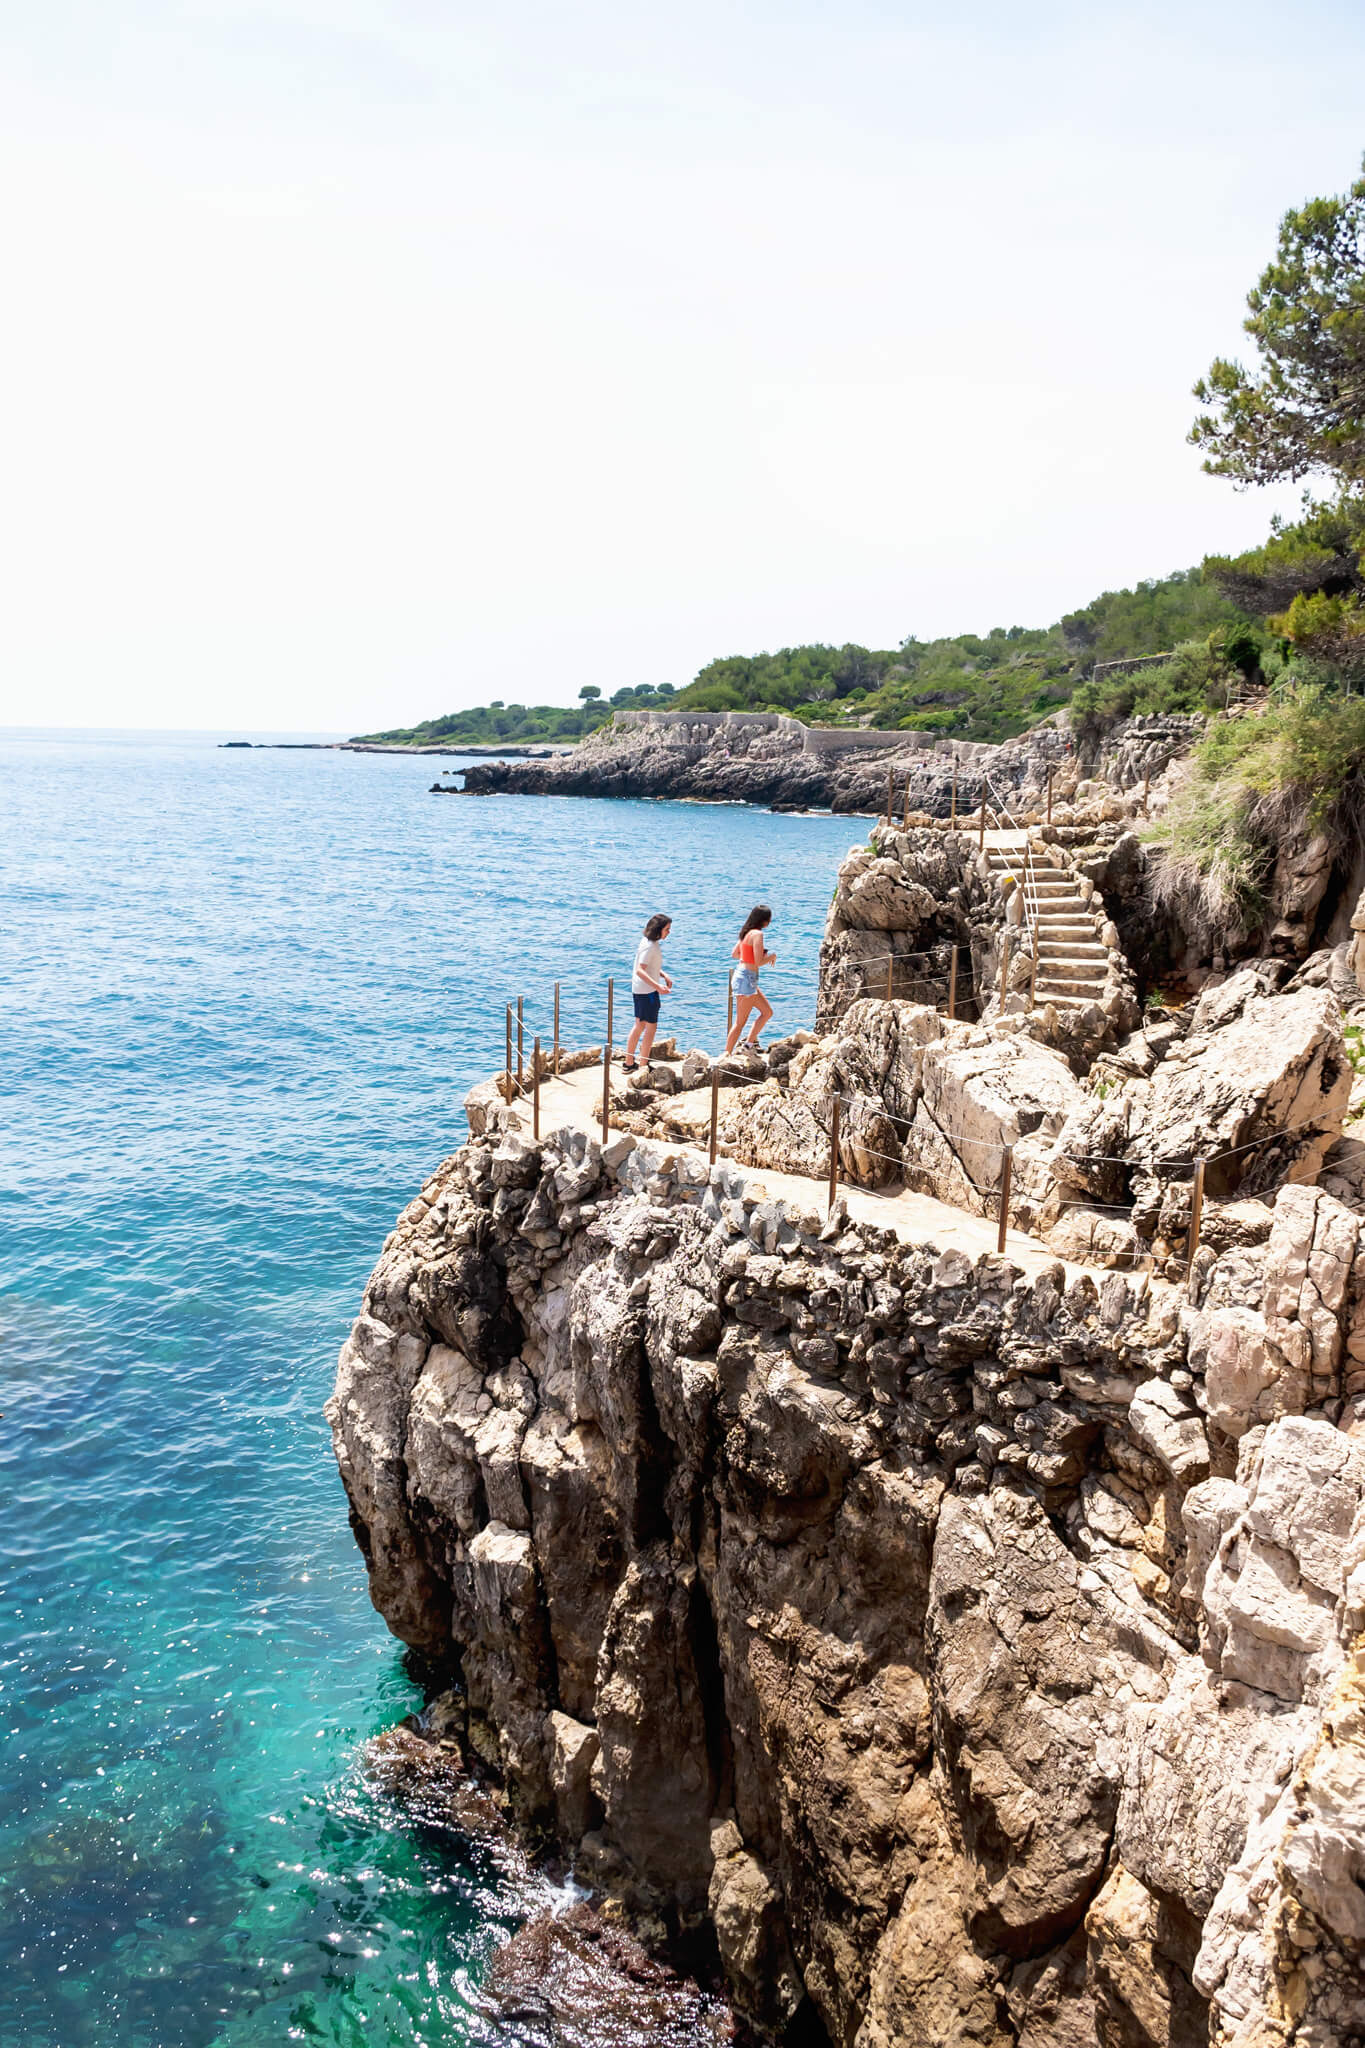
<point x="968" y="1655"/>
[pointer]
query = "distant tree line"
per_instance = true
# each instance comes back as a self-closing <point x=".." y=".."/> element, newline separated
<point x="981" y="686"/>
<point x="1291" y="613"/>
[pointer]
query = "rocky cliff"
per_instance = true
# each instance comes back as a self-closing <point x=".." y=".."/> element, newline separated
<point x="766" y="758"/>
<point x="954" y="1647"/>
<point x="977" y="1653"/>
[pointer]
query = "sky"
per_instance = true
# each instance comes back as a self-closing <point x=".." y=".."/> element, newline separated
<point x="361" y="362"/>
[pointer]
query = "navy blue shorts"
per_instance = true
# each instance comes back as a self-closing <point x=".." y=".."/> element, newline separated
<point x="647" y="1007"/>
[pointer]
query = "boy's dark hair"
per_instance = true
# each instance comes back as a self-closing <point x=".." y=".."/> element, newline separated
<point x="657" y="926"/>
<point x="757" y="920"/>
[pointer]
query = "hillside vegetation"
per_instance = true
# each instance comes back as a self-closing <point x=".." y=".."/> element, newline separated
<point x="980" y="686"/>
<point x="1288" y="617"/>
<point x="1260" y="784"/>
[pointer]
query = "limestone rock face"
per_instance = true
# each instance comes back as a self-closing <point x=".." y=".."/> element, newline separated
<point x="978" y="1656"/>
<point x="1259" y="1086"/>
<point x="1288" y="1355"/>
<point x="902" y="903"/>
<point x="977" y="1094"/>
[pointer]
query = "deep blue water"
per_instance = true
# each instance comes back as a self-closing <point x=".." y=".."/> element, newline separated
<point x="241" y="998"/>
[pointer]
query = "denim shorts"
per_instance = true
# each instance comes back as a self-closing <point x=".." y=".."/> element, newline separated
<point x="647" y="1007"/>
<point x="744" y="981"/>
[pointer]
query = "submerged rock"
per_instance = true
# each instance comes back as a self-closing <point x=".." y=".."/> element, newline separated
<point x="573" y="1980"/>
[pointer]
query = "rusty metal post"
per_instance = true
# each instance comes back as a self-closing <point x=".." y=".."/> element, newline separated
<point x="729" y="1008"/>
<point x="535" y="1091"/>
<point x="952" y="984"/>
<point x="715" y="1109"/>
<point x="981" y="835"/>
<point x="606" y="1064"/>
<point x="1006" y="1176"/>
<point x="507" y="1070"/>
<point x="1005" y="947"/>
<point x="1050" y="773"/>
<point x="1196" y="1218"/>
<point x="833" y="1151"/>
<point x="556" y="1030"/>
<point x="952" y="822"/>
<point x="520" y="1045"/>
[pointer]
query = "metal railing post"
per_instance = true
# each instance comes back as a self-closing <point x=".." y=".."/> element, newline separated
<point x="890" y="796"/>
<point x="1196" y="1218"/>
<point x="833" y="1151"/>
<point x="952" y="821"/>
<point x="715" y="1109"/>
<point x="606" y="1065"/>
<point x="905" y="821"/>
<point x="1006" y="945"/>
<point x="981" y="834"/>
<point x="729" y="1009"/>
<point x="1006" y="1175"/>
<point x="507" y="1070"/>
<point x="535" y="1091"/>
<point x="952" y="984"/>
<point x="556" y="1030"/>
<point x="520" y="1045"/>
<point x="890" y="970"/>
<point x="1050" y="773"/>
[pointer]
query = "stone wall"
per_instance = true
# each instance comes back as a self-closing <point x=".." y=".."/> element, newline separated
<point x="971" y="1655"/>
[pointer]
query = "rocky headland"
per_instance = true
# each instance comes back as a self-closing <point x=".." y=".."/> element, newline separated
<point x="943" y="1646"/>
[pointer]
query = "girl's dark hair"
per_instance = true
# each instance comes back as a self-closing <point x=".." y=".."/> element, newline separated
<point x="758" y="917"/>
<point x="657" y="926"/>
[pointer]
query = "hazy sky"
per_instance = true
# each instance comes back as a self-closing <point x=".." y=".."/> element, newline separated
<point x="363" y="361"/>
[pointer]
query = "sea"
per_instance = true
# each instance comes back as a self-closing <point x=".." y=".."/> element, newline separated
<point x="243" y="993"/>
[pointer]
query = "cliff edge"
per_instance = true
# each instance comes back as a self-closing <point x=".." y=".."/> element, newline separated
<point x="962" y="1648"/>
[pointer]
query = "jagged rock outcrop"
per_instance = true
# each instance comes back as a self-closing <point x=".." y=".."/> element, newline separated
<point x="769" y="758"/>
<point x="1256" y="1084"/>
<point x="945" y="1639"/>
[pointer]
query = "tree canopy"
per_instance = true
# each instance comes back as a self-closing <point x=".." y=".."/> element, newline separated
<point x="983" y="686"/>
<point x="1303" y="409"/>
<point x="1308" y="586"/>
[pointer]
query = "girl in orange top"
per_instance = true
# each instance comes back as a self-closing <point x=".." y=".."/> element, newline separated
<point x="749" y="998"/>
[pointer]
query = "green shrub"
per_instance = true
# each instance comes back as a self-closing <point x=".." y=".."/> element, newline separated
<point x="1254" y="781"/>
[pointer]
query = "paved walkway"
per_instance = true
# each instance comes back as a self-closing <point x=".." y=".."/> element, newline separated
<point x="575" y="1101"/>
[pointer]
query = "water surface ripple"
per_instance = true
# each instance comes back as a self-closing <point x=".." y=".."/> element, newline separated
<point x="241" y="997"/>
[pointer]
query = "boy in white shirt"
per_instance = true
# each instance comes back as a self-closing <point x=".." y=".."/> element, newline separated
<point x="647" y="983"/>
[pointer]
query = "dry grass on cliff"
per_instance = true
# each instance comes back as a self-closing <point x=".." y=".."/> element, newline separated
<point x="1257" y="783"/>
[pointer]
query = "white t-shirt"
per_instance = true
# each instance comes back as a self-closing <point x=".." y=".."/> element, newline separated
<point x="649" y="956"/>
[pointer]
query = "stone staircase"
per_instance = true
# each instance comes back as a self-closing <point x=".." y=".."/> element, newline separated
<point x="1073" y="961"/>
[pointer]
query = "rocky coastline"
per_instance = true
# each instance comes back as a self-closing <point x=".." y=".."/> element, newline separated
<point x="943" y="1646"/>
<point x="767" y="759"/>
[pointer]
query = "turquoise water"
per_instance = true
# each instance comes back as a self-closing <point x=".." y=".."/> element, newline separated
<point x="241" y="997"/>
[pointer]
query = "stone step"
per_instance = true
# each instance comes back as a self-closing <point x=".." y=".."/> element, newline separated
<point x="1047" y="989"/>
<point x="1072" y="970"/>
